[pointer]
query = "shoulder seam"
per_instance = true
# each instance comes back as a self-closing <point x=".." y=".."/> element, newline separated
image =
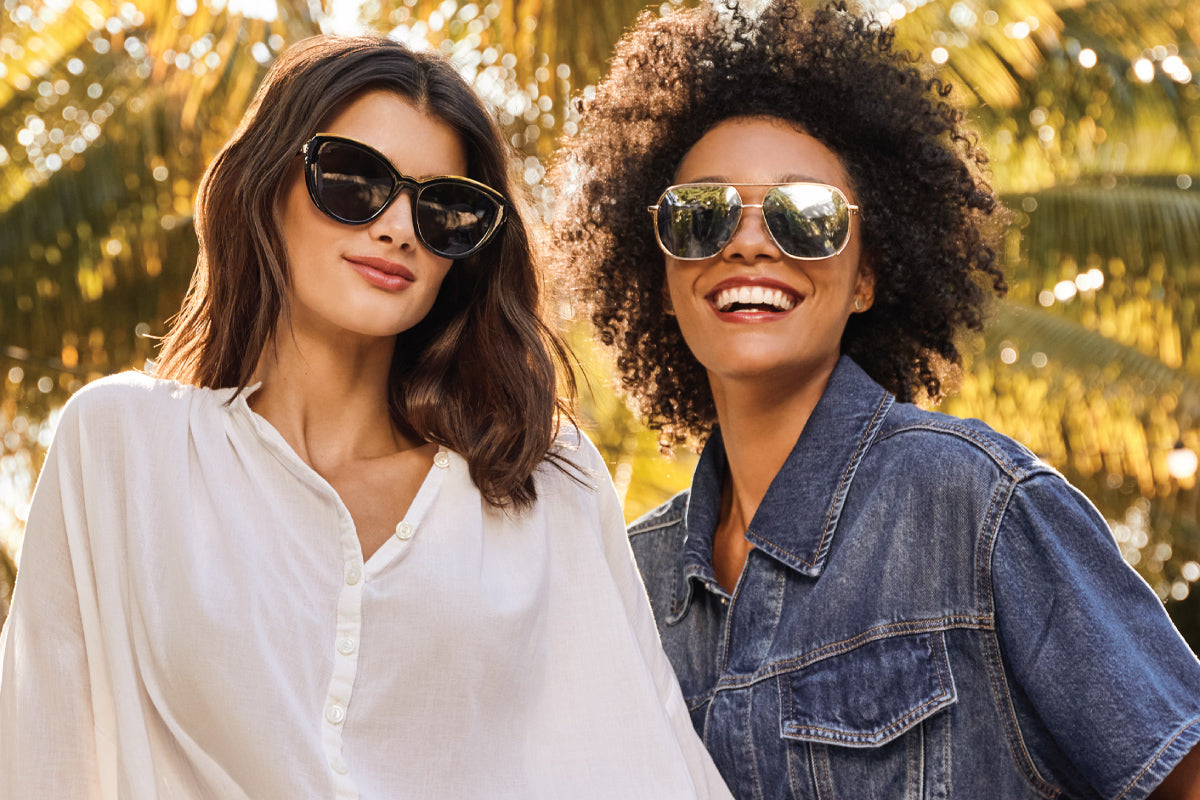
<point x="984" y="443"/>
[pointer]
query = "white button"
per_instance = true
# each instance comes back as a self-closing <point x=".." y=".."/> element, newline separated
<point x="404" y="531"/>
<point x="353" y="574"/>
<point x="346" y="645"/>
<point x="335" y="713"/>
<point x="441" y="459"/>
<point x="338" y="765"/>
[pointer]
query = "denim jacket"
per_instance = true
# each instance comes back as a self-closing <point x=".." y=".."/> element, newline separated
<point x="929" y="611"/>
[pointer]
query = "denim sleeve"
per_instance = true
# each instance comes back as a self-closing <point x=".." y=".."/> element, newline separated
<point x="1095" y="663"/>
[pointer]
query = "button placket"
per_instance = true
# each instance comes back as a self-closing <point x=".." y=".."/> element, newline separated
<point x="347" y="637"/>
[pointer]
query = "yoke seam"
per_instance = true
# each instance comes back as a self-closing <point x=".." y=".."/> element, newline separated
<point x="775" y="669"/>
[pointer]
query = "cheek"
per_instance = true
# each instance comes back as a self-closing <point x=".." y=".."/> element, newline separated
<point x="674" y="283"/>
<point x="443" y="267"/>
<point x="306" y="232"/>
<point x="292" y="217"/>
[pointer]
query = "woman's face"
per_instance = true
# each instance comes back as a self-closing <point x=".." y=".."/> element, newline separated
<point x="373" y="280"/>
<point x="793" y="333"/>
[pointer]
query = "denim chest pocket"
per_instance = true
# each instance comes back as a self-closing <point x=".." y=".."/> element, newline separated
<point x="865" y="722"/>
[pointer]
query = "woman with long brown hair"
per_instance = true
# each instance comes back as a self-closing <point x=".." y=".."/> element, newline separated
<point x="339" y="546"/>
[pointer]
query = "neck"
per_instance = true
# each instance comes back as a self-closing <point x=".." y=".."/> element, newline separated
<point x="328" y="396"/>
<point x="760" y="424"/>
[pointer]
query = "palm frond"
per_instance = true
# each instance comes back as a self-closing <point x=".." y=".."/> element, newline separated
<point x="1136" y="225"/>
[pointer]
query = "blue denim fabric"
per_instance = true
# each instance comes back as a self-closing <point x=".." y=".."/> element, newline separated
<point x="929" y="612"/>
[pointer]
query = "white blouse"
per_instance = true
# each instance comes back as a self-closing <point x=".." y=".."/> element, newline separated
<point x="193" y="618"/>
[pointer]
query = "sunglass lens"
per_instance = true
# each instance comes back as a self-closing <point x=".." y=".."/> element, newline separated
<point x="454" y="218"/>
<point x="807" y="220"/>
<point x="351" y="183"/>
<point x="697" y="221"/>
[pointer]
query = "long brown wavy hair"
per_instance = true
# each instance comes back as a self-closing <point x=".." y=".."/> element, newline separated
<point x="478" y="374"/>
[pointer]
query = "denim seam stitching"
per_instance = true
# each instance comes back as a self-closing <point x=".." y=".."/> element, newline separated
<point x="748" y="745"/>
<point x="699" y="702"/>
<point x="822" y="774"/>
<point x="1188" y="726"/>
<point x="991" y="649"/>
<point x="792" y="758"/>
<point x="947" y="761"/>
<point x="885" y="733"/>
<point x="729" y="624"/>
<point x="880" y="632"/>
<point x="774" y="670"/>
<point x="983" y="443"/>
<point x="650" y="527"/>
<point x="839" y="496"/>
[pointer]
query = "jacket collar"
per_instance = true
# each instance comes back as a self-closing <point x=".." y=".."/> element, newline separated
<point x="798" y="516"/>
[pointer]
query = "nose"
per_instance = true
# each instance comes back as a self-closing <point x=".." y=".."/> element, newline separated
<point x="751" y="240"/>
<point x="397" y="224"/>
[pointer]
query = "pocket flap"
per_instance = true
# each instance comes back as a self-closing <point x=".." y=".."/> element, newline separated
<point x="868" y="695"/>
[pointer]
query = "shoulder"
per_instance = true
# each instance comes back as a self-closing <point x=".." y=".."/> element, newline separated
<point x="962" y="474"/>
<point x="662" y="520"/>
<point x="657" y="536"/>
<point x="965" y="465"/>
<point x="132" y="389"/>
<point x="949" y="441"/>
<point x="573" y="472"/>
<point x="113" y="397"/>
<point x="573" y="453"/>
<point x="128" y="402"/>
<point x="657" y="540"/>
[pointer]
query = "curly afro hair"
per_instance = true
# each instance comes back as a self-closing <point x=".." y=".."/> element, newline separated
<point x="930" y="219"/>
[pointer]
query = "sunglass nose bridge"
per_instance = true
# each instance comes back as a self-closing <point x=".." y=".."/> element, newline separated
<point x="750" y="236"/>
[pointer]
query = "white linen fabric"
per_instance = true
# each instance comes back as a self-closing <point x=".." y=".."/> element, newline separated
<point x="193" y="618"/>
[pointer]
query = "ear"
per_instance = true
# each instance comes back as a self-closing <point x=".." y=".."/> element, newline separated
<point x="864" y="288"/>
<point x="667" y="306"/>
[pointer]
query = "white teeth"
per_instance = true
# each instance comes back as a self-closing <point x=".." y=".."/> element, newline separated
<point x="754" y="296"/>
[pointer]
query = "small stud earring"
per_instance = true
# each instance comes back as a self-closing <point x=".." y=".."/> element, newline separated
<point x="858" y="304"/>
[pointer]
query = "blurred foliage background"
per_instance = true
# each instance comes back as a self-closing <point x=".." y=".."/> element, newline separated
<point x="1090" y="109"/>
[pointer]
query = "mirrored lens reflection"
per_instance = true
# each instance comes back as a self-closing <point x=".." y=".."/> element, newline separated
<point x="697" y="221"/>
<point x="807" y="221"/>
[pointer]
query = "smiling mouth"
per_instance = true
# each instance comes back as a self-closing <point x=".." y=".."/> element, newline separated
<point x="753" y="298"/>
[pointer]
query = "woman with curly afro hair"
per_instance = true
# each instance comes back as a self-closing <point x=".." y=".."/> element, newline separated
<point x="783" y="228"/>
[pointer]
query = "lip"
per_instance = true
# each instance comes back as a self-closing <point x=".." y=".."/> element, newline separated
<point x="748" y="315"/>
<point x="382" y="273"/>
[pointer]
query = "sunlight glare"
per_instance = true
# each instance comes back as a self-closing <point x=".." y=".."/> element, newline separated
<point x="343" y="18"/>
<point x="1143" y="70"/>
<point x="266" y="10"/>
<point x="1065" y="290"/>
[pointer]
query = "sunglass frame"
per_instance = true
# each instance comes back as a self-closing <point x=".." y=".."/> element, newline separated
<point x="653" y="210"/>
<point x="311" y="149"/>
